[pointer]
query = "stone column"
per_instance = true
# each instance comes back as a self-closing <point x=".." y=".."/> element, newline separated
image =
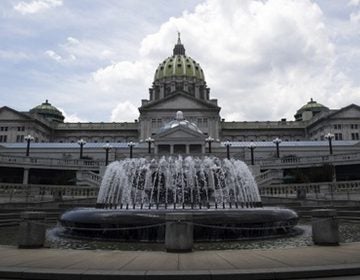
<point x="179" y="232"/>
<point x="197" y="92"/>
<point x="187" y="149"/>
<point x="162" y="91"/>
<point x="171" y="149"/>
<point x="32" y="230"/>
<point x="26" y="176"/>
<point x="325" y="228"/>
<point x="203" y="149"/>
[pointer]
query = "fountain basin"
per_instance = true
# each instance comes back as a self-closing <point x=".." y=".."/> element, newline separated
<point x="149" y="225"/>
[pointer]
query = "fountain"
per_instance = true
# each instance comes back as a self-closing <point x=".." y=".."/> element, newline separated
<point x="136" y="196"/>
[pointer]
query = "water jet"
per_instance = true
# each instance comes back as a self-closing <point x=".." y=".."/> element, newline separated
<point x="135" y="196"/>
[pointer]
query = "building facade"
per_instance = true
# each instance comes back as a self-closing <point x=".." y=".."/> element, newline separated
<point x="179" y="85"/>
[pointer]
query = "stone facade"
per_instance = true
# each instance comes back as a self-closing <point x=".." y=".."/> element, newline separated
<point x="179" y="84"/>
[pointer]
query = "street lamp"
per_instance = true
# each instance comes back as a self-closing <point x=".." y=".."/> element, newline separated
<point x="107" y="147"/>
<point x="209" y="140"/>
<point x="82" y="143"/>
<point x="227" y="145"/>
<point x="252" y="147"/>
<point x="277" y="142"/>
<point x="330" y="137"/>
<point x="28" y="139"/>
<point x="131" y="145"/>
<point x="149" y="140"/>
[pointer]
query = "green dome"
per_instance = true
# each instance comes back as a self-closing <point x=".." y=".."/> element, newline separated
<point x="311" y="106"/>
<point x="179" y="65"/>
<point x="49" y="112"/>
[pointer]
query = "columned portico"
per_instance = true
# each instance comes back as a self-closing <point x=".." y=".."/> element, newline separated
<point x="179" y="137"/>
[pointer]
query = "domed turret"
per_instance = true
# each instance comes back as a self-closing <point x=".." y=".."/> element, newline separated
<point x="309" y="110"/>
<point x="179" y="73"/>
<point x="48" y="111"/>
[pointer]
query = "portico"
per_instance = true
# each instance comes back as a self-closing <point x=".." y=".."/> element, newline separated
<point x="179" y="137"/>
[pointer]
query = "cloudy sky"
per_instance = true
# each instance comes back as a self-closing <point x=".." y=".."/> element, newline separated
<point x="95" y="59"/>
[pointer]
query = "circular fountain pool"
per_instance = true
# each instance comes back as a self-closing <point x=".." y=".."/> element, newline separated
<point x="220" y="199"/>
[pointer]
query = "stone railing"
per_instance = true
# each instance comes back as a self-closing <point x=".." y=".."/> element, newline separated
<point x="306" y="161"/>
<point x="267" y="177"/>
<point x="90" y="177"/>
<point x="77" y="164"/>
<point x="50" y="162"/>
<point x="323" y="190"/>
<point x="10" y="192"/>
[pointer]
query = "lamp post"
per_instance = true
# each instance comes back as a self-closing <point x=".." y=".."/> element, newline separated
<point x="82" y="143"/>
<point x="330" y="137"/>
<point x="252" y="147"/>
<point x="277" y="142"/>
<point x="107" y="147"/>
<point x="209" y="140"/>
<point x="149" y="140"/>
<point x="227" y="145"/>
<point x="131" y="145"/>
<point x="28" y="139"/>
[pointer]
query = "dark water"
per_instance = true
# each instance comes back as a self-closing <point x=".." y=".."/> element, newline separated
<point x="349" y="232"/>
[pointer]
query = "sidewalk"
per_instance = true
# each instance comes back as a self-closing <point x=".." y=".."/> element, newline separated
<point x="301" y="262"/>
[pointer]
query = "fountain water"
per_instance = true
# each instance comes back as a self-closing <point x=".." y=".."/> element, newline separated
<point x="221" y="197"/>
<point x="181" y="183"/>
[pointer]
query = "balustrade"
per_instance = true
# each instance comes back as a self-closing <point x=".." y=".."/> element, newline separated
<point x="323" y="190"/>
<point x="10" y="192"/>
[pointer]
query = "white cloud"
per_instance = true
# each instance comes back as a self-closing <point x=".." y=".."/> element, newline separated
<point x="355" y="17"/>
<point x="13" y="55"/>
<point x="262" y="59"/>
<point x="71" y="117"/>
<point x="36" y="6"/>
<point x="53" y="55"/>
<point x="354" y="3"/>
<point x="124" y="111"/>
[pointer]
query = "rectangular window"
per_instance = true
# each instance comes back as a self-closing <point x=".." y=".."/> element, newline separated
<point x="355" y="136"/>
<point x="337" y="126"/>
<point x="153" y="122"/>
<point x="338" y="136"/>
<point x="354" y="126"/>
<point x="1" y="138"/>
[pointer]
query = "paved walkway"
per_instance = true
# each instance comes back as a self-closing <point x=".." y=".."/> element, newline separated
<point x="302" y="262"/>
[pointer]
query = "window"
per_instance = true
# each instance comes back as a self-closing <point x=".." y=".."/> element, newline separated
<point x="4" y="128"/>
<point x="355" y="136"/>
<point x="156" y="123"/>
<point x="19" y="138"/>
<point x="202" y="122"/>
<point x="337" y="126"/>
<point x="338" y="136"/>
<point x="354" y="126"/>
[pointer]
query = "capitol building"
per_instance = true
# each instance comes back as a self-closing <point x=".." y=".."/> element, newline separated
<point x="179" y="85"/>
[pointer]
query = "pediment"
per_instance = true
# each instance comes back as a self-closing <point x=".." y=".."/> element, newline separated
<point x="349" y="112"/>
<point x="179" y="101"/>
<point x="180" y="133"/>
<point x="7" y="113"/>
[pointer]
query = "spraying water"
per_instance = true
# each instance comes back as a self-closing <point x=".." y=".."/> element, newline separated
<point x="178" y="182"/>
